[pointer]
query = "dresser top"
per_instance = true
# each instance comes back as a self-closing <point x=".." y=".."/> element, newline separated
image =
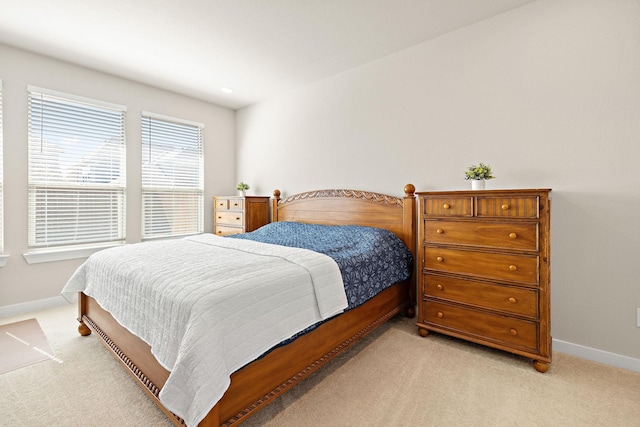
<point x="241" y="197"/>
<point x="496" y="192"/>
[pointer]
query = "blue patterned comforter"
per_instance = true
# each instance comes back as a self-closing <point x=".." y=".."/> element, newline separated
<point x="370" y="259"/>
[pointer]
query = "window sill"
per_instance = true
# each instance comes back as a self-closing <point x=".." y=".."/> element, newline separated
<point x="51" y="255"/>
<point x="3" y="260"/>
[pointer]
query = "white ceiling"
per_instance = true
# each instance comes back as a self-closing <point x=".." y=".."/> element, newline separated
<point x="257" y="47"/>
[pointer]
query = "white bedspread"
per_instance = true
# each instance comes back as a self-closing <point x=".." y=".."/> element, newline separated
<point x="208" y="305"/>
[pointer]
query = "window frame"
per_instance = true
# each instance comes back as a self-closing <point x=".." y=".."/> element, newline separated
<point x="43" y="251"/>
<point x="146" y="120"/>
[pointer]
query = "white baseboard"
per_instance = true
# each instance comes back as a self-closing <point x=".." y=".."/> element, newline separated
<point x="596" y="355"/>
<point x="28" y="307"/>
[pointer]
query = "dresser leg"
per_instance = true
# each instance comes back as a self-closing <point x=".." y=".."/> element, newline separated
<point x="423" y="332"/>
<point x="541" y="366"/>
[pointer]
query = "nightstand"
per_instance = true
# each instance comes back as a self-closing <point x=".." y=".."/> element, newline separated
<point x="239" y="214"/>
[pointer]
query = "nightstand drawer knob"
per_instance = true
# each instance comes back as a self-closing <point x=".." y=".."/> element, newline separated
<point x="440" y="287"/>
<point x="439" y="259"/>
<point x="512" y="235"/>
<point x="513" y="267"/>
<point x="505" y="207"/>
<point x="513" y="332"/>
<point x="439" y="231"/>
<point x="512" y="300"/>
<point x="440" y="314"/>
<point x="446" y="206"/>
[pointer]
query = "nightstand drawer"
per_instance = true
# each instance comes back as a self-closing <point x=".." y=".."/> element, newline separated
<point x="508" y="207"/>
<point x="481" y="325"/>
<point x="234" y="204"/>
<point x="448" y="206"/>
<point x="222" y="230"/>
<point x="230" y="218"/>
<point x="509" y="299"/>
<point x="513" y="268"/>
<point x="519" y="236"/>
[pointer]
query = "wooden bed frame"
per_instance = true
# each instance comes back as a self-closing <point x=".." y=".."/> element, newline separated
<point x="263" y="380"/>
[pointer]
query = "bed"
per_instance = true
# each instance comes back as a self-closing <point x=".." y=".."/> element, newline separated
<point x="262" y="380"/>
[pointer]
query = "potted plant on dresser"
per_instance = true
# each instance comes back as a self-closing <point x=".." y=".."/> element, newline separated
<point x="478" y="174"/>
<point x="242" y="188"/>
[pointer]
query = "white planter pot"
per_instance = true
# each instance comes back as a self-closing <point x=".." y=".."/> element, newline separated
<point x="242" y="193"/>
<point x="477" y="184"/>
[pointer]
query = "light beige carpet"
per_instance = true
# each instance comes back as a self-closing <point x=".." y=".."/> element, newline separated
<point x="22" y="344"/>
<point x="392" y="378"/>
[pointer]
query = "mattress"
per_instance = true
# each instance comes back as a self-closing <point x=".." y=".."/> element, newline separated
<point x="198" y="302"/>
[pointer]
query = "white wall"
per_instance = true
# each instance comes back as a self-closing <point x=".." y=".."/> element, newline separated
<point x="548" y="94"/>
<point x="20" y="282"/>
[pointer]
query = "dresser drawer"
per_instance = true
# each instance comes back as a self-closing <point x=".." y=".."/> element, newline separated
<point x="509" y="299"/>
<point x="448" y="206"/>
<point x="513" y="268"/>
<point x="222" y="230"/>
<point x="485" y="326"/>
<point x="230" y="218"/>
<point x="508" y="207"/>
<point x="519" y="236"/>
<point x="234" y="204"/>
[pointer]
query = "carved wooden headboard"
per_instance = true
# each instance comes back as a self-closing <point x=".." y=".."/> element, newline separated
<point x="351" y="207"/>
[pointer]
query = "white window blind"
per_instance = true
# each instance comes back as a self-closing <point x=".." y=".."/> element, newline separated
<point x="76" y="171"/>
<point x="172" y="177"/>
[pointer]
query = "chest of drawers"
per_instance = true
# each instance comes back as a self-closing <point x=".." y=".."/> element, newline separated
<point x="484" y="263"/>
<point x="239" y="214"/>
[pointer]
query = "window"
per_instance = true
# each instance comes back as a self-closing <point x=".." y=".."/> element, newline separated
<point x="76" y="171"/>
<point x="172" y="177"/>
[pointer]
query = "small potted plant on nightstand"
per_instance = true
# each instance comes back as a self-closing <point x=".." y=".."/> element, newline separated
<point x="242" y="188"/>
<point x="478" y="175"/>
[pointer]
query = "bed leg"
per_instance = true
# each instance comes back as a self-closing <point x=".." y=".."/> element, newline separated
<point x="83" y="329"/>
<point x="410" y="312"/>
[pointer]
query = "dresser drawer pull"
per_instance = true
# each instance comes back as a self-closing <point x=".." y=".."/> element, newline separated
<point x="512" y="235"/>
<point x="513" y="332"/>
<point x="505" y="207"/>
<point x="237" y="218"/>
<point x="219" y="217"/>
<point x="440" y="287"/>
<point x="439" y="259"/>
<point x="440" y="314"/>
<point x="439" y="231"/>
<point x="513" y="267"/>
<point x="512" y="300"/>
<point x="446" y="206"/>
